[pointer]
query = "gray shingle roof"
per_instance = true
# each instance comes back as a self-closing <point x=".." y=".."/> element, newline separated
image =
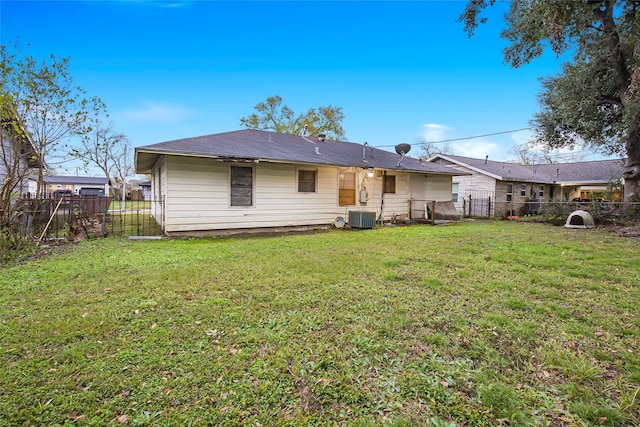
<point x="584" y="172"/>
<point x="579" y="172"/>
<point x="266" y="146"/>
<point x="76" y="180"/>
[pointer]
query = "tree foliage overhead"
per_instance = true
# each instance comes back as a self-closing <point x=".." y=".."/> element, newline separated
<point x="595" y="100"/>
<point x="44" y="101"/>
<point x="272" y="115"/>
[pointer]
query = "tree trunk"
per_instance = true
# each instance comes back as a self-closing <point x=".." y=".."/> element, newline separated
<point x="623" y="81"/>
<point x="631" y="172"/>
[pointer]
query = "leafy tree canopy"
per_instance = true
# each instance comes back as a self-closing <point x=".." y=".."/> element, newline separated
<point x="44" y="101"/>
<point x="271" y="114"/>
<point x="595" y="100"/>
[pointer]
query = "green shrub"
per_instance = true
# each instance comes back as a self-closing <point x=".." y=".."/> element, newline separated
<point x="14" y="247"/>
<point x="555" y="213"/>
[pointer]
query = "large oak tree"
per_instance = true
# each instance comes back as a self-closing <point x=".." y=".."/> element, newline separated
<point x="595" y="100"/>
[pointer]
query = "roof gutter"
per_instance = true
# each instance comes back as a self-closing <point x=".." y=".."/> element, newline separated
<point x="233" y="159"/>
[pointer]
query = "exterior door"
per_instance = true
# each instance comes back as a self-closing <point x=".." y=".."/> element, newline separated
<point x="418" y="198"/>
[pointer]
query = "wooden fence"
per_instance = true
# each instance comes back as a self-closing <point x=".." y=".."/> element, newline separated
<point x="85" y="217"/>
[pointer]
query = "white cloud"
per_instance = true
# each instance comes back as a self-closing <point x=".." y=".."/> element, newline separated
<point x="158" y="111"/>
<point x="520" y="138"/>
<point x="434" y="131"/>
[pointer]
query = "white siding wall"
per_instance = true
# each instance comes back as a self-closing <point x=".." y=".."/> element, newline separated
<point x="5" y="151"/>
<point x="396" y="203"/>
<point x="7" y="157"/>
<point x="438" y="188"/>
<point x="159" y="190"/>
<point x="197" y="195"/>
<point x="472" y="183"/>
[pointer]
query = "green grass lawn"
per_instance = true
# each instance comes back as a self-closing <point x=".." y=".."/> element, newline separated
<point x="116" y="205"/>
<point x="472" y="324"/>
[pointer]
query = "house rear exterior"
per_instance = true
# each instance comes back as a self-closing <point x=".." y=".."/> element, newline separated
<point x="255" y="179"/>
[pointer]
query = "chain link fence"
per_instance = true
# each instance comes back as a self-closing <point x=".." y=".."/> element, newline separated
<point x="557" y="212"/>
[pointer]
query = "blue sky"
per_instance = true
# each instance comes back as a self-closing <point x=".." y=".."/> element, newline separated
<point x="401" y="71"/>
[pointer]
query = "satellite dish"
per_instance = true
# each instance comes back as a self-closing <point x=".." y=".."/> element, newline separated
<point x="339" y="222"/>
<point x="403" y="148"/>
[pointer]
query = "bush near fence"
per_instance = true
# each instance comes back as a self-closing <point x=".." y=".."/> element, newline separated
<point x="556" y="212"/>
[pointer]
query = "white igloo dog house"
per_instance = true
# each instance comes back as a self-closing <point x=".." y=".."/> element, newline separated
<point x="580" y="219"/>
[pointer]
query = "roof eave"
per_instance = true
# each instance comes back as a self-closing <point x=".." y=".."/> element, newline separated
<point x="148" y="166"/>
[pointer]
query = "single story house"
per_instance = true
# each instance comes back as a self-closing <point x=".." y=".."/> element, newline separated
<point x="81" y="185"/>
<point x="508" y="187"/>
<point x="251" y="179"/>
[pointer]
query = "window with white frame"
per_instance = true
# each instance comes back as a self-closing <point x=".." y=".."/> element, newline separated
<point x="455" y="188"/>
<point x="389" y="184"/>
<point x="307" y="180"/>
<point x="241" y="186"/>
<point x="541" y="191"/>
<point x="347" y="188"/>
<point x="509" y="192"/>
<point x="523" y="190"/>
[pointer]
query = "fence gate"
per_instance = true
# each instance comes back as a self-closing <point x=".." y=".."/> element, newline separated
<point x="478" y="203"/>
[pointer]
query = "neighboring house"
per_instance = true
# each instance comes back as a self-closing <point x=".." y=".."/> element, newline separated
<point x="146" y="190"/>
<point x="17" y="158"/>
<point x="139" y="189"/>
<point x="81" y="185"/>
<point x="515" y="187"/>
<point x="257" y="179"/>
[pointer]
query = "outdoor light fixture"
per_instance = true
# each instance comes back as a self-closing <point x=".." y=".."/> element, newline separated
<point x="370" y="172"/>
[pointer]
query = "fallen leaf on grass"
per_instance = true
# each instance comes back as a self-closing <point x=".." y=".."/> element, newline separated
<point x="602" y="421"/>
<point x="123" y="419"/>
<point x="75" y="416"/>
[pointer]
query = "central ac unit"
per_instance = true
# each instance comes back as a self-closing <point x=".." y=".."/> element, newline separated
<point x="360" y="219"/>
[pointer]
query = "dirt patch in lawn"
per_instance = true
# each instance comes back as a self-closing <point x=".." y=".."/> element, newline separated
<point x="628" y="231"/>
